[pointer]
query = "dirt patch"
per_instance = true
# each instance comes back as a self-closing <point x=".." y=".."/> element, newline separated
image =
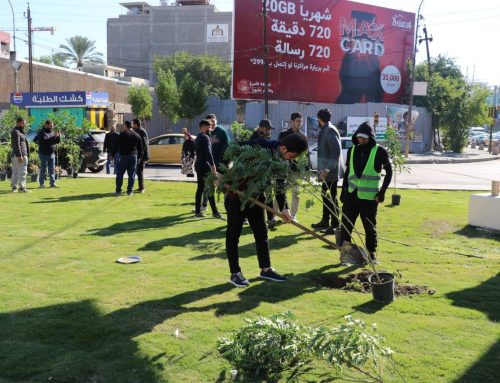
<point x="359" y="282"/>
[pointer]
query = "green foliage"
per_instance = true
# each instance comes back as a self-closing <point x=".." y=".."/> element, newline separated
<point x="455" y="105"/>
<point x="65" y="123"/>
<point x="210" y="71"/>
<point x="4" y="158"/>
<point x="141" y="101"/>
<point x="192" y="97"/>
<point x="268" y="349"/>
<point x="252" y="171"/>
<point x="53" y="59"/>
<point x="168" y="94"/>
<point x="393" y="146"/>
<point x="73" y="155"/>
<point x="8" y="121"/>
<point x="185" y="81"/>
<point x="240" y="133"/>
<point x="278" y="348"/>
<point x="80" y="50"/>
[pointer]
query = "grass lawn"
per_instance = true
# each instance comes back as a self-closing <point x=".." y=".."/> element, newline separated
<point x="68" y="313"/>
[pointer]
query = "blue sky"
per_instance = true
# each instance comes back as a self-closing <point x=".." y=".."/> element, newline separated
<point x="465" y="30"/>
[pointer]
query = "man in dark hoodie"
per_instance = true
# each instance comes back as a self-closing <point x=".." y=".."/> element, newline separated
<point x="143" y="155"/>
<point x="47" y="140"/>
<point x="361" y="193"/>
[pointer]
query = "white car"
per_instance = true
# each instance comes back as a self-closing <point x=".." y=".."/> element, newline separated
<point x="345" y="142"/>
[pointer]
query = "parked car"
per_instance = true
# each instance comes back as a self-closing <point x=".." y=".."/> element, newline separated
<point x="345" y="142"/>
<point x="92" y="145"/>
<point x="166" y="149"/>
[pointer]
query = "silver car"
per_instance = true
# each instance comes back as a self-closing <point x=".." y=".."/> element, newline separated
<point x="345" y="142"/>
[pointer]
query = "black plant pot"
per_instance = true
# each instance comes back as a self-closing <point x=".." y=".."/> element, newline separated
<point x="382" y="292"/>
<point x="396" y="199"/>
<point x="3" y="176"/>
<point x="75" y="175"/>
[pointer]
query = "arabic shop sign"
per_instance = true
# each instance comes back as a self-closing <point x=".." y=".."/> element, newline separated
<point x="48" y="99"/>
<point x="97" y="98"/>
<point x="337" y="52"/>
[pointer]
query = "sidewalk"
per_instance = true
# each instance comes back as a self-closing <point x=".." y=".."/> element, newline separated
<point x="468" y="155"/>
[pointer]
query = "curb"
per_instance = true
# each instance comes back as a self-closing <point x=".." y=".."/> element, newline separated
<point x="453" y="161"/>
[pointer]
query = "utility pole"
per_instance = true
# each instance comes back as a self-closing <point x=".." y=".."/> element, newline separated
<point x="30" y="49"/>
<point x="13" y="55"/>
<point x="412" y="83"/>
<point x="493" y="116"/>
<point x="266" y="66"/>
<point x="429" y="69"/>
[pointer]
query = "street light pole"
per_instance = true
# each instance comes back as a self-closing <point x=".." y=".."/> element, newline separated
<point x="15" y="50"/>
<point x="30" y="49"/>
<point x="409" y="127"/>
<point x="266" y="67"/>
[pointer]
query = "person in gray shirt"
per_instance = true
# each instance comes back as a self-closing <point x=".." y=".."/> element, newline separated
<point x="19" y="145"/>
<point x="330" y="169"/>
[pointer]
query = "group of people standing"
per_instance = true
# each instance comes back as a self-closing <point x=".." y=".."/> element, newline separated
<point x="129" y="152"/>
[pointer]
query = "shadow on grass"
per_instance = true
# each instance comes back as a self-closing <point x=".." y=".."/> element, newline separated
<point x="73" y="342"/>
<point x="80" y="197"/>
<point x="141" y="224"/>
<point x="484" y="297"/>
<point x="474" y="232"/>
<point x="370" y="307"/>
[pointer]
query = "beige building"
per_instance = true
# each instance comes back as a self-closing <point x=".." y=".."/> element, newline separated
<point x="50" y="78"/>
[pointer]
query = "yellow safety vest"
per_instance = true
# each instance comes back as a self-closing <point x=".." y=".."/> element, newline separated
<point x="366" y="186"/>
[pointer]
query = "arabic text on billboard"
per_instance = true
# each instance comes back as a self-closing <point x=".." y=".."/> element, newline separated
<point x="344" y="52"/>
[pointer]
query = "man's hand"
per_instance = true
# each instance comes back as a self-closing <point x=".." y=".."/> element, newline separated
<point x="323" y="174"/>
<point x="287" y="217"/>
<point x="213" y="169"/>
<point x="20" y="160"/>
<point x="380" y="197"/>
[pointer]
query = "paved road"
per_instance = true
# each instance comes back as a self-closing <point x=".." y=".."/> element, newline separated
<point x="460" y="176"/>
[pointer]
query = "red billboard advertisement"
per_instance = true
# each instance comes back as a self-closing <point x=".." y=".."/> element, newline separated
<point x="335" y="51"/>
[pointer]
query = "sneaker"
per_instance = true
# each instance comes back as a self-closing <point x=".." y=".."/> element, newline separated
<point x="130" y="193"/>
<point x="245" y="222"/>
<point x="204" y="208"/>
<point x="118" y="194"/>
<point x="272" y="275"/>
<point x="374" y="259"/>
<point x="294" y="218"/>
<point x="199" y="215"/>
<point x="219" y="216"/>
<point x="329" y="231"/>
<point x="238" y="280"/>
<point x="56" y="186"/>
<point x="140" y="191"/>
<point x="271" y="223"/>
<point x="42" y="186"/>
<point x="14" y="190"/>
<point x="320" y="225"/>
<point x="24" y="191"/>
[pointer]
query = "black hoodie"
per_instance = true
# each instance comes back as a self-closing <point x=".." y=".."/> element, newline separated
<point x="361" y="155"/>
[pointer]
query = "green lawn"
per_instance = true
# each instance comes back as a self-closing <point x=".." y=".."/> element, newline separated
<point x="68" y="313"/>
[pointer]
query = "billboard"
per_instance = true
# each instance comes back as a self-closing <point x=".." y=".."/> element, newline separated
<point x="398" y="119"/>
<point x="48" y="99"/>
<point x="342" y="52"/>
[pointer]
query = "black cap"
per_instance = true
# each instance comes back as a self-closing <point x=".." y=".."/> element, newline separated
<point x="266" y="124"/>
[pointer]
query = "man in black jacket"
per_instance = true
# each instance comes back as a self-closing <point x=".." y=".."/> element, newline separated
<point x="288" y="149"/>
<point x="143" y="156"/>
<point x="19" y="145"/>
<point x="47" y="140"/>
<point x="110" y="146"/>
<point x="203" y="165"/>
<point x="129" y="147"/>
<point x="360" y="189"/>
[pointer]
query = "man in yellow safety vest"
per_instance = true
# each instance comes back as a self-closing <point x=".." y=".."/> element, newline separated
<point x="361" y="193"/>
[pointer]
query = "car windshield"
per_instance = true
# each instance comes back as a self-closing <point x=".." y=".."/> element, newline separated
<point x="98" y="136"/>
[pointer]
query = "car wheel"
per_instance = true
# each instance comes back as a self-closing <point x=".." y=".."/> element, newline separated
<point x="96" y="169"/>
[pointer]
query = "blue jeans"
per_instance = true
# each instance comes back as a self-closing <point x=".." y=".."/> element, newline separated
<point x="47" y="160"/>
<point x="127" y="163"/>
<point x="115" y="159"/>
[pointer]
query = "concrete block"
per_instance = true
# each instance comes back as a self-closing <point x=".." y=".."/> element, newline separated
<point x="484" y="211"/>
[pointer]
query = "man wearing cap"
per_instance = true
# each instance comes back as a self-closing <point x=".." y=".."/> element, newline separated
<point x="264" y="130"/>
<point x="330" y="169"/>
<point x="360" y="188"/>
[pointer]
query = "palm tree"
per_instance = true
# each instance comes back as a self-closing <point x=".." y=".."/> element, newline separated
<point x="80" y="50"/>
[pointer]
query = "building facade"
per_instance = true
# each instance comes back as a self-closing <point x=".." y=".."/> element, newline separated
<point x="146" y="31"/>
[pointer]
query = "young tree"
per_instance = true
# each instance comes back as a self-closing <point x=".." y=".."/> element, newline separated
<point x="193" y="99"/>
<point x="80" y="50"/>
<point x="141" y="101"/>
<point x="168" y="94"/>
